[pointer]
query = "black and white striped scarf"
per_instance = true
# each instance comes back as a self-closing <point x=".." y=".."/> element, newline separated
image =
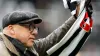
<point x="71" y="43"/>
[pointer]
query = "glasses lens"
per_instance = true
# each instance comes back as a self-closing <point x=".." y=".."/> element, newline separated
<point x="32" y="27"/>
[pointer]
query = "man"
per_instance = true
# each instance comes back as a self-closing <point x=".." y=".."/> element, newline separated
<point x="19" y="33"/>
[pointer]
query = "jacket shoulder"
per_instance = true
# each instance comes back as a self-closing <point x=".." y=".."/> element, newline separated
<point x="3" y="49"/>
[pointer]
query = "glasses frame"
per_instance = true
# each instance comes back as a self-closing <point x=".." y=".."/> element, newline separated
<point x="30" y="26"/>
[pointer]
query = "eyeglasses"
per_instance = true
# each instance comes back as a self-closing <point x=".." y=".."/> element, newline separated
<point x="30" y="26"/>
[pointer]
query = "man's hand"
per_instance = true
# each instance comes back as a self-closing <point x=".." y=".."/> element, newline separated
<point x="88" y="8"/>
<point x="77" y="10"/>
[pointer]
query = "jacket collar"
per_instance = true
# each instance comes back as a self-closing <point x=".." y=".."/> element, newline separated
<point x="9" y="45"/>
<point x="17" y="43"/>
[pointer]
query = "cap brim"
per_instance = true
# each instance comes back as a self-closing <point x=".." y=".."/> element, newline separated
<point x="35" y="21"/>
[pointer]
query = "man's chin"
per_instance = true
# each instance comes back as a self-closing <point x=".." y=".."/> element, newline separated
<point x="30" y="44"/>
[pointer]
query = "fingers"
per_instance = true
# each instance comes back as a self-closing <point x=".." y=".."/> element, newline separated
<point x="77" y="10"/>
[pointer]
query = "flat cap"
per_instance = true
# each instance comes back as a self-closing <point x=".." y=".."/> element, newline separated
<point x="20" y="17"/>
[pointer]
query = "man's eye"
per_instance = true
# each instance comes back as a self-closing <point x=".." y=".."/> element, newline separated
<point x="26" y="26"/>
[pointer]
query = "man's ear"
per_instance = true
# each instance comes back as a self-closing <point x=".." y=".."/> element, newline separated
<point x="11" y="29"/>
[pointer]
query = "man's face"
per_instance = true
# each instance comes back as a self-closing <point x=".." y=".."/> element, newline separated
<point x="26" y="33"/>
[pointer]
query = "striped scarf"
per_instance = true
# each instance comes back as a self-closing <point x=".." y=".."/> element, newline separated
<point x="74" y="39"/>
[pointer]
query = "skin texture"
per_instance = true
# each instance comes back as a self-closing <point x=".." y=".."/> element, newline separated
<point x="77" y="10"/>
<point x="21" y="33"/>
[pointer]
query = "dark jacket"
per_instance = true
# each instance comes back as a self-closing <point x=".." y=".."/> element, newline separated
<point x="41" y="45"/>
